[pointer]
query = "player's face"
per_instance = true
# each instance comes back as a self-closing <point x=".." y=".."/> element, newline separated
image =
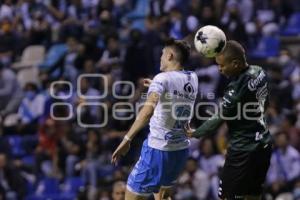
<point x="226" y="67"/>
<point x="165" y="57"/>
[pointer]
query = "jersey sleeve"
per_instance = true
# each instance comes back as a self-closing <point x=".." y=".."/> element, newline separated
<point x="228" y="108"/>
<point x="208" y="126"/>
<point x="158" y="84"/>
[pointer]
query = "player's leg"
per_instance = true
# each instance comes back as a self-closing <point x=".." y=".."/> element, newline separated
<point x="238" y="173"/>
<point x="173" y="164"/>
<point x="260" y="160"/>
<point x="144" y="179"/>
<point x="164" y="193"/>
<point x="132" y="196"/>
<point x="234" y="180"/>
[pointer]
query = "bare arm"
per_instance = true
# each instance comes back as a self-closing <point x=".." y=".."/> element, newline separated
<point x="140" y="122"/>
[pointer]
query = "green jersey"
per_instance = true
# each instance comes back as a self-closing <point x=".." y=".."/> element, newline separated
<point x="242" y="108"/>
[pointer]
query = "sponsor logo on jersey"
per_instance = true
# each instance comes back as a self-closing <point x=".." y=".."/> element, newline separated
<point x="187" y="96"/>
<point x="253" y="83"/>
<point x="188" y="88"/>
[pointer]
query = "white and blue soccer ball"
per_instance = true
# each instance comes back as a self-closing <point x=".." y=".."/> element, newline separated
<point x="209" y="41"/>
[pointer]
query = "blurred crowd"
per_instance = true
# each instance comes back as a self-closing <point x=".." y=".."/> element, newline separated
<point x="66" y="101"/>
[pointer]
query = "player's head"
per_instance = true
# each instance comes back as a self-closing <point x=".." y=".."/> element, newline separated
<point x="118" y="192"/>
<point x="232" y="60"/>
<point x="174" y="55"/>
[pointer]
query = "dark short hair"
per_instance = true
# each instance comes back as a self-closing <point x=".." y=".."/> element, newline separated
<point x="234" y="50"/>
<point x="181" y="47"/>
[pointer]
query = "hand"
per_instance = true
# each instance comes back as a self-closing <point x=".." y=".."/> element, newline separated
<point x="122" y="149"/>
<point x="147" y="82"/>
<point x="188" y="130"/>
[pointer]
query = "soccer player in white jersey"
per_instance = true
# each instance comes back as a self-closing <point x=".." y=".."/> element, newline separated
<point x="169" y="106"/>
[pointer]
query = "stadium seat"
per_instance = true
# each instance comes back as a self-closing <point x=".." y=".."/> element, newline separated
<point x="54" y="55"/>
<point x="48" y="189"/>
<point x="30" y="187"/>
<point x="48" y="186"/>
<point x="293" y="25"/>
<point x="31" y="56"/>
<point x="138" y="24"/>
<point x="140" y="11"/>
<point x="73" y="184"/>
<point x="28" y="160"/>
<point x="267" y="47"/>
<point x="137" y="16"/>
<point x="16" y="146"/>
<point x="29" y="143"/>
<point x="27" y="75"/>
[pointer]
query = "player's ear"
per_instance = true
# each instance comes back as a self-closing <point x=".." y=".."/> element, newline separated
<point x="235" y="63"/>
<point x="170" y="55"/>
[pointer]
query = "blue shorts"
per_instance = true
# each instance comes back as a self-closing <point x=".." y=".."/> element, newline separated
<point x="155" y="169"/>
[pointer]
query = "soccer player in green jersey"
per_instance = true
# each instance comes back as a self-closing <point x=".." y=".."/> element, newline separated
<point x="242" y="108"/>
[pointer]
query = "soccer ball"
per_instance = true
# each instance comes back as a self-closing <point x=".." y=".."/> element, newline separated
<point x="209" y="41"/>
